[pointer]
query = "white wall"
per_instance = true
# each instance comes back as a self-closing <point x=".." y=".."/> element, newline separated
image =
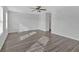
<point x="66" y="22"/>
<point x="4" y="32"/>
<point x="1" y="20"/>
<point x="22" y="22"/>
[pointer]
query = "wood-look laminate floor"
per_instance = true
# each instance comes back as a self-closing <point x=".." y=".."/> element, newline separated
<point x="39" y="41"/>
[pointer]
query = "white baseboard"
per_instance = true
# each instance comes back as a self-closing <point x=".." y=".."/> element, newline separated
<point x="65" y="36"/>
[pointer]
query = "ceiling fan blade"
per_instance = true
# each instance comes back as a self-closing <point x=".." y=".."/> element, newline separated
<point x="43" y="9"/>
<point x="34" y="10"/>
<point x="38" y="9"/>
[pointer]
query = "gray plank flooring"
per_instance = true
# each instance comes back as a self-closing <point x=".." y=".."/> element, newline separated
<point x="39" y="41"/>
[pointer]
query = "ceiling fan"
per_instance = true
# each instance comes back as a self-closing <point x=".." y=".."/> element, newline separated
<point x="38" y="9"/>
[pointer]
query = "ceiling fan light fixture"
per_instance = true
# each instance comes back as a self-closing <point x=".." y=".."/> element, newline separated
<point x="38" y="9"/>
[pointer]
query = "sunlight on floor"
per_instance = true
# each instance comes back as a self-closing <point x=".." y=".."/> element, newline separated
<point x="39" y="45"/>
<point x="43" y="40"/>
<point x="27" y="35"/>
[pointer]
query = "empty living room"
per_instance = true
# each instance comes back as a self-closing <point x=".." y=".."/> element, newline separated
<point x="39" y="28"/>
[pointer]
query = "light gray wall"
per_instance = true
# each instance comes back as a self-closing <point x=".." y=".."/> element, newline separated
<point x="66" y="22"/>
<point x="27" y="21"/>
<point x="45" y="18"/>
<point x="22" y="22"/>
<point x="42" y="22"/>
